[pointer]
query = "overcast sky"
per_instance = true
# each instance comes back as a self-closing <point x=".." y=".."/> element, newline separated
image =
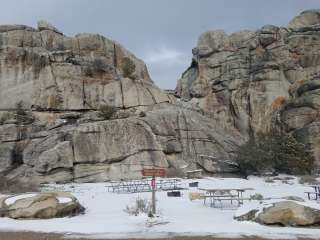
<point x="161" y="32"/>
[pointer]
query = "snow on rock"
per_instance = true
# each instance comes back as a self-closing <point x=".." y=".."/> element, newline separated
<point x="64" y="199"/>
<point x="12" y="200"/>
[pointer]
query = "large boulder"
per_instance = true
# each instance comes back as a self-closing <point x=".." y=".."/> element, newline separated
<point x="251" y="82"/>
<point x="286" y="213"/>
<point x="40" y="206"/>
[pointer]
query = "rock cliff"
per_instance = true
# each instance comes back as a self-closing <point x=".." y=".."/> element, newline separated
<point x="250" y="82"/>
<point x="53" y="88"/>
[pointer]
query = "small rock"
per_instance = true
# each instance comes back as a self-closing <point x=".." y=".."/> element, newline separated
<point x="294" y="198"/>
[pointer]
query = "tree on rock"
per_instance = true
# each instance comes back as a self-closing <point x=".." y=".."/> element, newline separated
<point x="273" y="151"/>
<point x="128" y="68"/>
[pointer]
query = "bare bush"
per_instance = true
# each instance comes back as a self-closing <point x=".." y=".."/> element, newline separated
<point x="8" y="186"/>
<point x="141" y="206"/>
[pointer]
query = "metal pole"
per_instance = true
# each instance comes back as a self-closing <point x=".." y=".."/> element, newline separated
<point x="154" y="195"/>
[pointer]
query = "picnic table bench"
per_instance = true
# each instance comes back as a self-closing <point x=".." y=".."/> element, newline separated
<point x="315" y="193"/>
<point x="226" y="194"/>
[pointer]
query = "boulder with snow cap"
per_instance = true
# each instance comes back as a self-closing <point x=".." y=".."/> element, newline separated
<point x="42" y="206"/>
<point x="285" y="213"/>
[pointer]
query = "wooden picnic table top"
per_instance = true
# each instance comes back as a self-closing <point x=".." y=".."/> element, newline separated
<point x="225" y="189"/>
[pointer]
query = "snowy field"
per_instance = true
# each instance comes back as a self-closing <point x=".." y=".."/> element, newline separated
<point x="105" y="216"/>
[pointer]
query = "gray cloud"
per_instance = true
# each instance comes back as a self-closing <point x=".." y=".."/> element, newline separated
<point x="161" y="32"/>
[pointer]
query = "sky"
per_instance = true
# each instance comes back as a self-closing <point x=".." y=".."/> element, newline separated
<point x="160" y="32"/>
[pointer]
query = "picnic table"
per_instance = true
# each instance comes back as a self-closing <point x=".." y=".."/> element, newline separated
<point x="224" y="194"/>
<point x="144" y="185"/>
<point x="315" y="193"/>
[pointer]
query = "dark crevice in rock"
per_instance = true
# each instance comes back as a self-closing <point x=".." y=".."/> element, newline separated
<point x="55" y="170"/>
<point x="118" y="159"/>
<point x="153" y="98"/>
<point x="122" y="94"/>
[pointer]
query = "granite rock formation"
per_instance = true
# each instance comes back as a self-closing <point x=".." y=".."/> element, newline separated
<point x="250" y="82"/>
<point x="53" y="88"/>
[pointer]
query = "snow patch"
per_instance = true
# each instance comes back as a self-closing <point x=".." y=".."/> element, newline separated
<point x="64" y="199"/>
<point x="12" y="200"/>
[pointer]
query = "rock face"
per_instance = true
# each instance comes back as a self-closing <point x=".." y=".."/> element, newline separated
<point x="250" y="82"/>
<point x="286" y="213"/>
<point x="47" y="70"/>
<point x="43" y="206"/>
<point x="52" y="90"/>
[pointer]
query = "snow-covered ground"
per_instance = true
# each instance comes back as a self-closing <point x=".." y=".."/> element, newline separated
<point x="105" y="216"/>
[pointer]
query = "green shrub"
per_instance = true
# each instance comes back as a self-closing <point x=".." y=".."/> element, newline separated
<point x="273" y="152"/>
<point x="4" y="117"/>
<point x="128" y="67"/>
<point x="99" y="65"/>
<point x="106" y="111"/>
<point x="21" y="115"/>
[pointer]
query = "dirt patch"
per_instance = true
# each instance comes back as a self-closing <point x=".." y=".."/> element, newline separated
<point x="29" y="236"/>
<point x="52" y="236"/>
